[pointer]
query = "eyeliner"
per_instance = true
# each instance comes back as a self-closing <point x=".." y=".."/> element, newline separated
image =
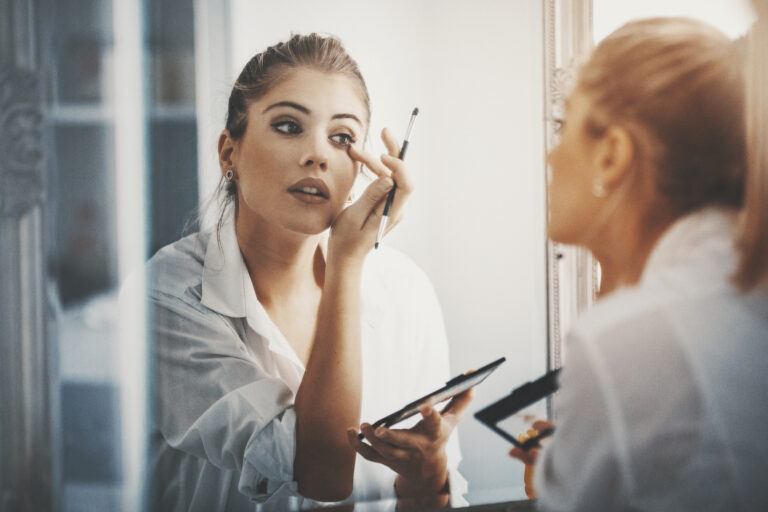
<point x="391" y="195"/>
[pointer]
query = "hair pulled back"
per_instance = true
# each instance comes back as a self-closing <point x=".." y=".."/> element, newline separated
<point x="267" y="68"/>
<point x="753" y="236"/>
<point x="677" y="86"/>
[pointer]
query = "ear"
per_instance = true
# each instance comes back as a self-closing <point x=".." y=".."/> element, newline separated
<point x="613" y="156"/>
<point x="227" y="152"/>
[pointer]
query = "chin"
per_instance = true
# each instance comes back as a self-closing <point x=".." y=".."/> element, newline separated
<point x="310" y="226"/>
<point x="562" y="234"/>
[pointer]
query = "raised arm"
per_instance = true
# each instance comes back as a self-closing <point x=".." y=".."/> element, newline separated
<point x="328" y="400"/>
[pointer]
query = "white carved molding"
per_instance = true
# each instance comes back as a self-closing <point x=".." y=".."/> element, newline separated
<point x="571" y="271"/>
<point x="21" y="136"/>
<point x="28" y="411"/>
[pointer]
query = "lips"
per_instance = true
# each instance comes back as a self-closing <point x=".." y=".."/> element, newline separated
<point x="312" y="189"/>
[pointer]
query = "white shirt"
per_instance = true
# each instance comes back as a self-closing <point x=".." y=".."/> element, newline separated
<point x="226" y="377"/>
<point x="664" y="397"/>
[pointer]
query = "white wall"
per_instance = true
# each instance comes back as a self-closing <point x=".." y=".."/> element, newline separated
<point x="476" y="221"/>
<point x="731" y="16"/>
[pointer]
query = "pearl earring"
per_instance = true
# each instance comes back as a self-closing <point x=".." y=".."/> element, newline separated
<point x="598" y="189"/>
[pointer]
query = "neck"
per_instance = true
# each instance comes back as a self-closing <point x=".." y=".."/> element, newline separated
<point x="280" y="263"/>
<point x="624" y="248"/>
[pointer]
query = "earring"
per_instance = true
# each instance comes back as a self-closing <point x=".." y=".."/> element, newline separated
<point x="229" y="175"/>
<point x="598" y="189"/>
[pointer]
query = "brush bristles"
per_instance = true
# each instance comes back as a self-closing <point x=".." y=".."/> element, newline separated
<point x="415" y="111"/>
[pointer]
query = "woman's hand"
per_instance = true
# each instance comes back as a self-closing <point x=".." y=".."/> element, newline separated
<point x="530" y="457"/>
<point x="417" y="454"/>
<point x="353" y="233"/>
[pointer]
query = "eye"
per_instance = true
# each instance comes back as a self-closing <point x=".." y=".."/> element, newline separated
<point x="287" y="127"/>
<point x="558" y="123"/>
<point x="343" y="139"/>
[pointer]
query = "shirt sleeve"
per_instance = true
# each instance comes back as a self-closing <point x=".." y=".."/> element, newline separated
<point x="579" y="468"/>
<point x="215" y="403"/>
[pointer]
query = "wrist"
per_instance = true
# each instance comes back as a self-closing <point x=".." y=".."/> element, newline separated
<point x="410" y="486"/>
<point x="340" y="265"/>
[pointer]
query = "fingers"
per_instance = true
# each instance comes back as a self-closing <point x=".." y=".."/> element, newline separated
<point x="363" y="449"/>
<point x="404" y="438"/>
<point x="388" y="165"/>
<point x="399" y="172"/>
<point x="374" y="193"/>
<point x="370" y="161"/>
<point x="541" y="425"/>
<point x="430" y="422"/>
<point x="370" y="203"/>
<point x="390" y="142"/>
<point x="383" y="448"/>
<point x="456" y="407"/>
<point x="528" y="457"/>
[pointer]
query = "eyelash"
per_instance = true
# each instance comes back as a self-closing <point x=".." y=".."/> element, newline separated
<point x="347" y="139"/>
<point x="295" y="129"/>
<point x="559" y="124"/>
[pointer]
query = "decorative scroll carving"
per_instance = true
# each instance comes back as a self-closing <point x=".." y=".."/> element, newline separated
<point x="21" y="143"/>
<point x="570" y="271"/>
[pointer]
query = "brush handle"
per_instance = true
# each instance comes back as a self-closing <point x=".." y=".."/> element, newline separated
<point x="391" y="195"/>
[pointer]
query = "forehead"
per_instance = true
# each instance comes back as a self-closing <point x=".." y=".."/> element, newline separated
<point x="323" y="94"/>
<point x="577" y="102"/>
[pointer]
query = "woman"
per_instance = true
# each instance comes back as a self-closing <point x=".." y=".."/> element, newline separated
<point x="662" y="403"/>
<point x="272" y="336"/>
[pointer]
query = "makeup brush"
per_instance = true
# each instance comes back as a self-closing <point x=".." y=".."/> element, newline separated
<point x="391" y="195"/>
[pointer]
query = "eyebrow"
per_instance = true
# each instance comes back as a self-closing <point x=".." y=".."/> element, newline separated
<point x="348" y="116"/>
<point x="305" y="110"/>
<point x="300" y="108"/>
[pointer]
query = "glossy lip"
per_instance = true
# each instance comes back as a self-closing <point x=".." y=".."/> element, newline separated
<point x="311" y="182"/>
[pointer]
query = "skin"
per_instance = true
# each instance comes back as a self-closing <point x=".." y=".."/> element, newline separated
<point x="617" y="227"/>
<point x="416" y="454"/>
<point x="310" y="126"/>
<point x="622" y="226"/>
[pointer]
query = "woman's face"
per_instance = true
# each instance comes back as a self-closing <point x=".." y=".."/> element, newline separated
<point x="572" y="204"/>
<point x="291" y="164"/>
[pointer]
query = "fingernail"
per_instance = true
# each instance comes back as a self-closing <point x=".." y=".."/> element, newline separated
<point x="379" y="432"/>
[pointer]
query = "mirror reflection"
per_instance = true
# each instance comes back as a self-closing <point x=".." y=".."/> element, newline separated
<point x="224" y="267"/>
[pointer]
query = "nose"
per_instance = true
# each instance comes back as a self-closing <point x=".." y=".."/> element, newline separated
<point x="316" y="154"/>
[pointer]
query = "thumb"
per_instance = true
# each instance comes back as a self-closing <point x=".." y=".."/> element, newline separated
<point x="431" y="421"/>
<point x="375" y="193"/>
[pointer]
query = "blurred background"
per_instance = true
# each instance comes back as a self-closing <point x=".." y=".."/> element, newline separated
<point x="110" y="114"/>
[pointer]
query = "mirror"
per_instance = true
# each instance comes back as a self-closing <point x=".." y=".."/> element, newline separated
<point x="476" y="221"/>
<point x="488" y="76"/>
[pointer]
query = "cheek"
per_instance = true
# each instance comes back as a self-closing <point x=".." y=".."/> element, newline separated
<point x="345" y="175"/>
<point x="568" y="196"/>
<point x="261" y="167"/>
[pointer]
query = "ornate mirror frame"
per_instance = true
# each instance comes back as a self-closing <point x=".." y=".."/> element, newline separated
<point x="572" y="272"/>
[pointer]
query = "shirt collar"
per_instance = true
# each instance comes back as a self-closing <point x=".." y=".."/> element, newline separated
<point x="694" y="239"/>
<point x="224" y="274"/>
<point x="227" y="288"/>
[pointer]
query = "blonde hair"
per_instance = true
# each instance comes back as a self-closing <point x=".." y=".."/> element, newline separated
<point x="266" y="69"/>
<point x="753" y="236"/>
<point x="676" y="85"/>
